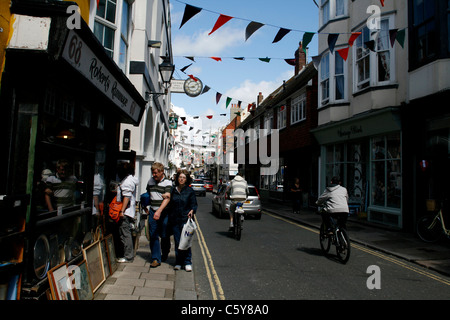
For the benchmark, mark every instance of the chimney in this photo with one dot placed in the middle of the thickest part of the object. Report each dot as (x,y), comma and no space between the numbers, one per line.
(300,59)
(259,99)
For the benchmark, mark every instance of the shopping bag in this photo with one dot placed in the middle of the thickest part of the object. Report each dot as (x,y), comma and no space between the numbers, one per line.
(187,234)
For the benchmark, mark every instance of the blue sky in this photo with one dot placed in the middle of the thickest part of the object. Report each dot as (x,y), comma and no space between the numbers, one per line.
(240,80)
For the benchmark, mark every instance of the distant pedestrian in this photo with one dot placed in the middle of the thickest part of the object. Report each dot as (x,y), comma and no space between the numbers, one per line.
(159,189)
(183,205)
(296,196)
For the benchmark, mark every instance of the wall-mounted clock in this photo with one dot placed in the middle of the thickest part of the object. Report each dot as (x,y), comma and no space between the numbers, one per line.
(193,88)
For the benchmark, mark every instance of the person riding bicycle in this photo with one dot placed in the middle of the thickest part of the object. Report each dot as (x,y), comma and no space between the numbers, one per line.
(238,193)
(334,201)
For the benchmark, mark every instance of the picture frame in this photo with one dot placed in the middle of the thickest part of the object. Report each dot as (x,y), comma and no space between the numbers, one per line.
(111,253)
(93,256)
(83,285)
(106,263)
(58,278)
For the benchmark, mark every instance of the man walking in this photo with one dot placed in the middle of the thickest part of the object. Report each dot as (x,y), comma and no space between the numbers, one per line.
(158,188)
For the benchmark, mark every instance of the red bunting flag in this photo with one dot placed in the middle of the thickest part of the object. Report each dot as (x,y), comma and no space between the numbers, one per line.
(343,53)
(192,77)
(353,38)
(216,58)
(382,3)
(209,117)
(220,22)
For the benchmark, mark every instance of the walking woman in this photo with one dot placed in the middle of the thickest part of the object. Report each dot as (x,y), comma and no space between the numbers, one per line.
(183,205)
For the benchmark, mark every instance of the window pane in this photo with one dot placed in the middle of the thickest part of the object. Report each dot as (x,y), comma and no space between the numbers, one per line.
(339,7)
(124,26)
(339,87)
(122,55)
(111,11)
(101,8)
(378,183)
(378,148)
(393,146)
(394,184)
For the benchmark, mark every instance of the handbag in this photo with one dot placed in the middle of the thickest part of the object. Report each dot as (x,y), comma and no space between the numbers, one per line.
(187,234)
(114,209)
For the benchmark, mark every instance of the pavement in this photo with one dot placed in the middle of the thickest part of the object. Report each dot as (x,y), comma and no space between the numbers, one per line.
(137,281)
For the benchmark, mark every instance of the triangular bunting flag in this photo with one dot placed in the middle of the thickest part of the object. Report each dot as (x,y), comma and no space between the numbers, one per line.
(218,96)
(209,117)
(190,58)
(223,114)
(205,89)
(191,128)
(371,45)
(196,117)
(252,28)
(216,58)
(382,3)
(189,12)
(220,22)
(353,38)
(192,77)
(185,67)
(401,37)
(280,35)
(392,36)
(184,122)
(307,37)
(239,58)
(239,103)
(265,59)
(228,102)
(343,53)
(183,118)
(332,38)
(290,61)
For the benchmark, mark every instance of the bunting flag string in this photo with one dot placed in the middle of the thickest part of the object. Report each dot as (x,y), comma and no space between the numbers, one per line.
(253,26)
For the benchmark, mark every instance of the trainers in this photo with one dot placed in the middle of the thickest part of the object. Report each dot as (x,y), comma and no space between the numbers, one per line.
(123,260)
(188,267)
(177,267)
(155,264)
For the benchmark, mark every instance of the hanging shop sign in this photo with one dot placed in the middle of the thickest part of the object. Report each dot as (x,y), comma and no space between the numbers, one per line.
(83,59)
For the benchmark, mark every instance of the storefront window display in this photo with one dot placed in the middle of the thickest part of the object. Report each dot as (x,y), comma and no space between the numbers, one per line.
(386,171)
(347,160)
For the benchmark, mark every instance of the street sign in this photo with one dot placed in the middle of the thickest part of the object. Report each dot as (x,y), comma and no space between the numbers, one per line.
(177,86)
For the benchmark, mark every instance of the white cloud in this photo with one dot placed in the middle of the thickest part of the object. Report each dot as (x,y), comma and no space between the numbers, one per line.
(202,44)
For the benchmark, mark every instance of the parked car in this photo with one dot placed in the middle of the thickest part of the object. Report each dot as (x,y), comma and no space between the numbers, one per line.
(208,185)
(221,202)
(199,187)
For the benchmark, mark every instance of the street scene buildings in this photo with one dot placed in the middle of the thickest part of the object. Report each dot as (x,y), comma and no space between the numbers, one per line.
(86,86)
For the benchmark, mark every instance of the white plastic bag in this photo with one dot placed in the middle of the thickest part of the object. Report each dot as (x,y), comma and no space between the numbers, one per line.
(187,234)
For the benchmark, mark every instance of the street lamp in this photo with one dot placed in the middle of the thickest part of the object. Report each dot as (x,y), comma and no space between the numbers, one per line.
(166,70)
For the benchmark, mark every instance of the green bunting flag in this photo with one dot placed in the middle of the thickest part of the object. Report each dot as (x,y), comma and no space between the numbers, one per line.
(307,37)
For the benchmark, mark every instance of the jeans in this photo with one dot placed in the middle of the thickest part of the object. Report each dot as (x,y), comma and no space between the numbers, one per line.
(126,237)
(158,229)
(183,257)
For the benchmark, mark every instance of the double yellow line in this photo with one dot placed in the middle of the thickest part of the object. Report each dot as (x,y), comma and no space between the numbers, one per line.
(214,282)
(377,254)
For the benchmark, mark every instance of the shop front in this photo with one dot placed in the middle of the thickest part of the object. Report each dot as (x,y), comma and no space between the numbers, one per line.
(62,101)
(366,152)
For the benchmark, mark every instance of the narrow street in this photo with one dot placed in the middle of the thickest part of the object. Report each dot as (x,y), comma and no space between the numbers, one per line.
(277,259)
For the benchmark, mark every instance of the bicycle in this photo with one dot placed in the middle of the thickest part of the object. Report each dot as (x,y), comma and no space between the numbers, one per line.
(430,227)
(338,237)
(238,219)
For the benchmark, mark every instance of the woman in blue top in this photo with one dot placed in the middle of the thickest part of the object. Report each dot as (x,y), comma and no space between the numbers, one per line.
(183,205)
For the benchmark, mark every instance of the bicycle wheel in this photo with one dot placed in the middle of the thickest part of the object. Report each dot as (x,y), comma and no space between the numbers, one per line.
(342,245)
(428,228)
(237,226)
(325,240)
